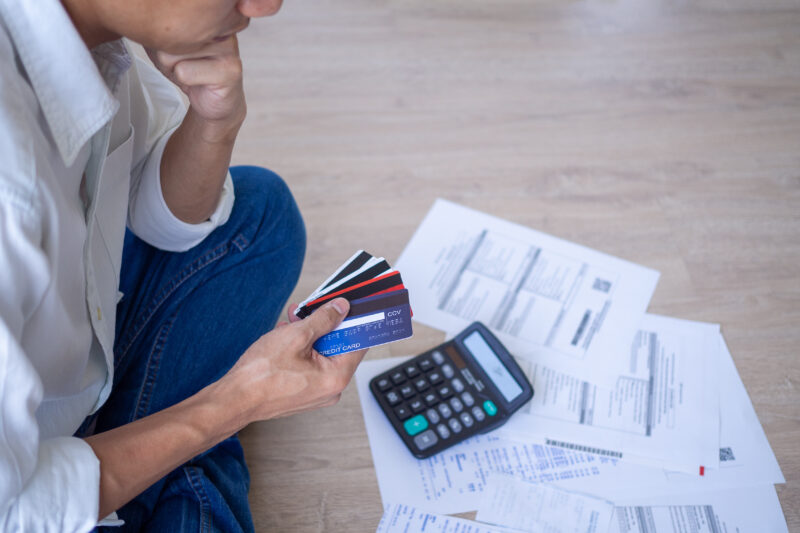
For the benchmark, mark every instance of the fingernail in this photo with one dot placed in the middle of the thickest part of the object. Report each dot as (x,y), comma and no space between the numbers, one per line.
(337,304)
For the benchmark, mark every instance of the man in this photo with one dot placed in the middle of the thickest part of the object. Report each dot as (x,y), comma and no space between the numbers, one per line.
(130,358)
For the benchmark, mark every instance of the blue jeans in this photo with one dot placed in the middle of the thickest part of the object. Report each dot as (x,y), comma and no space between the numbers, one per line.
(184,321)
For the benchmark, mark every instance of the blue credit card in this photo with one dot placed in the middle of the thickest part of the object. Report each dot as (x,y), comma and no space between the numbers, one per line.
(372,321)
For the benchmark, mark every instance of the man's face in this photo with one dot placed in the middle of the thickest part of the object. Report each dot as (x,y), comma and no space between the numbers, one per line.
(181,26)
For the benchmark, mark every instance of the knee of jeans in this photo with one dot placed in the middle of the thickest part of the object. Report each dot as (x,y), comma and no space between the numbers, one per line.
(268,200)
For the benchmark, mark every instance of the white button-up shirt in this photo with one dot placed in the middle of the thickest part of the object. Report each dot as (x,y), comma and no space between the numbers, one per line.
(81,139)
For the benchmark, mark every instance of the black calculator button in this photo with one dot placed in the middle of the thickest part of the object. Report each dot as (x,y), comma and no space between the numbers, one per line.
(425,365)
(457,384)
(448,371)
(417,405)
(431,398)
(478,413)
(411,370)
(445,410)
(455,425)
(466,419)
(467,398)
(421,384)
(407,391)
(442,430)
(384,384)
(433,416)
(438,358)
(393,398)
(398,377)
(435,377)
(456,404)
(402,412)
(425,440)
(445,392)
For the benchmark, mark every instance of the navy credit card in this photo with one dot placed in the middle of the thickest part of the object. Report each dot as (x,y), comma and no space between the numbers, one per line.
(372,321)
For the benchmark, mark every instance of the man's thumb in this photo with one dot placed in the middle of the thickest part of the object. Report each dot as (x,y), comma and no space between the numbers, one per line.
(327,317)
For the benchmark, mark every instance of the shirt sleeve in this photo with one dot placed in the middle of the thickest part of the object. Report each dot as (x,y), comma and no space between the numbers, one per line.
(156,112)
(45,484)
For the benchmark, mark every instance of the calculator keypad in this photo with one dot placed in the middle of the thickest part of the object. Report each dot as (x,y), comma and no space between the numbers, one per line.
(431,403)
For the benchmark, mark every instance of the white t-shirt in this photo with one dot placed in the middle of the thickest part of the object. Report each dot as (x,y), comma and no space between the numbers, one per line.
(81,139)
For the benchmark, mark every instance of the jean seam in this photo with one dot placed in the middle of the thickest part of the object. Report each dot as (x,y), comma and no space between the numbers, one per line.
(197,487)
(151,372)
(170,287)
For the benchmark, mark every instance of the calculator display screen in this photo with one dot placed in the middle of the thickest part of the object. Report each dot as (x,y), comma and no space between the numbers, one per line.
(492,365)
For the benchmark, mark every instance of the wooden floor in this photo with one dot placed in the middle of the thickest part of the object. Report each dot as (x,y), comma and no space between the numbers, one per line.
(663,132)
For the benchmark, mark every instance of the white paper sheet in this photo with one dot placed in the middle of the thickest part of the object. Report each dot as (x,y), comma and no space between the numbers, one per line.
(733,510)
(454,480)
(541,508)
(403,518)
(570,307)
(664,410)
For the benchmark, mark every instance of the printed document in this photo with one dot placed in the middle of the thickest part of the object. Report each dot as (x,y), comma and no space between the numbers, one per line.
(403,518)
(454,481)
(541,508)
(742,510)
(664,410)
(566,306)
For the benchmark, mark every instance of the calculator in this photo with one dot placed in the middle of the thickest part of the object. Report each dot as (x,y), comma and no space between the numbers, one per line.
(468,385)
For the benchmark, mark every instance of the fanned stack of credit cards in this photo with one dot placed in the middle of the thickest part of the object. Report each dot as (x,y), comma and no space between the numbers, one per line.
(379,308)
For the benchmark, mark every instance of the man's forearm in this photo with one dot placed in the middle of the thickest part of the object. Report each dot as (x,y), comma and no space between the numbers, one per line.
(136,455)
(194,166)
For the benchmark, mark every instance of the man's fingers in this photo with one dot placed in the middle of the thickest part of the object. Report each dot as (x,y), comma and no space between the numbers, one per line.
(207,71)
(212,49)
(326,318)
(292,317)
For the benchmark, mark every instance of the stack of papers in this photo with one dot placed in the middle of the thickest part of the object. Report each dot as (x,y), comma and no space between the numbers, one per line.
(638,422)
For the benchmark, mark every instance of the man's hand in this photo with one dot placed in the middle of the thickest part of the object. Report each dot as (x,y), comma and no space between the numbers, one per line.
(281,374)
(196,159)
(211,78)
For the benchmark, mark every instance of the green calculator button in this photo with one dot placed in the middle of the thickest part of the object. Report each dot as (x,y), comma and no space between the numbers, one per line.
(490,408)
(415,424)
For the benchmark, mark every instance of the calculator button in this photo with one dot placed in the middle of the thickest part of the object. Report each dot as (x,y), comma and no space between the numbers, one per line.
(455,425)
(402,412)
(411,370)
(457,384)
(431,398)
(477,412)
(425,440)
(448,371)
(469,401)
(490,408)
(415,425)
(457,405)
(425,365)
(407,391)
(445,392)
(442,430)
(466,419)
(392,397)
(438,358)
(398,377)
(445,410)
(384,384)
(421,384)
(433,416)
(435,377)
(417,405)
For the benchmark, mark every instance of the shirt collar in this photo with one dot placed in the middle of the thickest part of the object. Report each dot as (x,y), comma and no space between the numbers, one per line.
(74,87)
